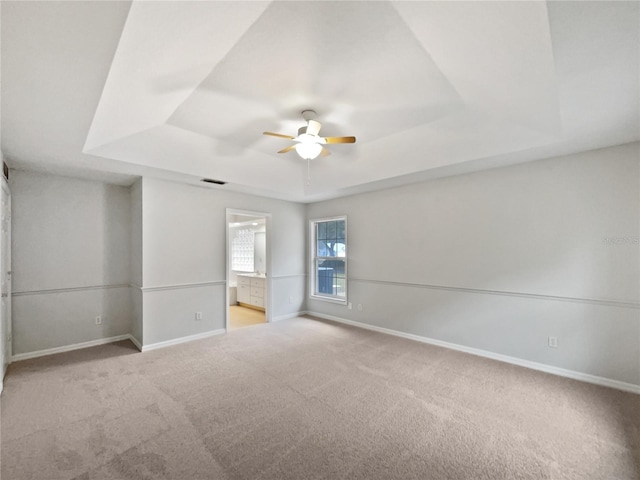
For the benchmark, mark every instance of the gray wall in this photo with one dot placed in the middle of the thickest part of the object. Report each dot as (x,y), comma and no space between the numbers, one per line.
(70,246)
(184,257)
(501,259)
(145,258)
(496,260)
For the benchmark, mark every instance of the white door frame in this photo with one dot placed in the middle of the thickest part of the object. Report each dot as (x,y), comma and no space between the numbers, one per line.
(6,271)
(268,297)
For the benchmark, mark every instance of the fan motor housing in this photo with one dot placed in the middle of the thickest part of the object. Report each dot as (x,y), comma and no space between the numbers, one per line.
(309,115)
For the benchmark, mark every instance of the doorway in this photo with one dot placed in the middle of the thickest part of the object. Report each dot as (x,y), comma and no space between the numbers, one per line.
(248,269)
(5,280)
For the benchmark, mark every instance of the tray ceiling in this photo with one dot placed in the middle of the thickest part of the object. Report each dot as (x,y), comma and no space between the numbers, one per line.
(184,90)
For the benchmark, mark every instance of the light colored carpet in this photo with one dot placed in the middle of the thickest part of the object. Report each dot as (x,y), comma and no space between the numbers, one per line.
(307,399)
(240,317)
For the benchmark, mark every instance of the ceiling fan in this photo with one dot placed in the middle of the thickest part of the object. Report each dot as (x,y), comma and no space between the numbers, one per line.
(308,144)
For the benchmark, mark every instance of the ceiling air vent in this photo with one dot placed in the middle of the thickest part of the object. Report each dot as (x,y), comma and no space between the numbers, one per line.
(211,180)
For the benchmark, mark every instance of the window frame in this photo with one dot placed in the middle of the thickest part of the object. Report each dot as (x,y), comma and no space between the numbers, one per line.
(314,259)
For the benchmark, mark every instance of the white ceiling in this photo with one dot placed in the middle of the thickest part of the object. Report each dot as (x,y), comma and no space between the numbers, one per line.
(183,90)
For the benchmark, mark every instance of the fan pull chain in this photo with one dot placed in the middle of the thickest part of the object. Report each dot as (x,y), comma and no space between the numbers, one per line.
(308,172)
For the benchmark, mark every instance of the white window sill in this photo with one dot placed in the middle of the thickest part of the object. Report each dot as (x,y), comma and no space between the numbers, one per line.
(322,298)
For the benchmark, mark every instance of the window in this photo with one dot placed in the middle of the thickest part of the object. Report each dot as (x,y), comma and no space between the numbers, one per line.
(329,259)
(242,249)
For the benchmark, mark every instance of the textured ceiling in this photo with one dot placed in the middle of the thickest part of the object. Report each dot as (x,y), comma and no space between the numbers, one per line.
(183,90)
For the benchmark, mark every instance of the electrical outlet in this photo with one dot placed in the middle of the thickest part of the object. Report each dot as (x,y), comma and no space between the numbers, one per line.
(350,306)
(359,307)
(98,320)
(198,315)
(553,342)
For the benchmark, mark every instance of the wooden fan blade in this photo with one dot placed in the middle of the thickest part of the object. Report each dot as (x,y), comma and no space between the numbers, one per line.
(313,127)
(340,139)
(288,149)
(325,152)
(288,137)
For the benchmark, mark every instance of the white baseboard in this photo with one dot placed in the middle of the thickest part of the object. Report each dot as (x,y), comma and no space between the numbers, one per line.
(135,341)
(562,372)
(288,316)
(176,341)
(68,348)
(103,341)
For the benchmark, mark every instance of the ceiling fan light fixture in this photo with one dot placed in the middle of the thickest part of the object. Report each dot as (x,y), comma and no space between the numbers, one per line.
(309,144)
(308,150)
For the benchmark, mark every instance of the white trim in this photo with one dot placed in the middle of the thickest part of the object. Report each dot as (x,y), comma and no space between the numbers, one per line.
(177,341)
(289,315)
(313,257)
(7,345)
(268,300)
(594,301)
(562,372)
(69,289)
(328,299)
(292,275)
(135,341)
(68,348)
(183,285)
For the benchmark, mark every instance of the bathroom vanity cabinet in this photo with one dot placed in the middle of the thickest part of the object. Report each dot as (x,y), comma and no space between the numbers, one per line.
(252,291)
